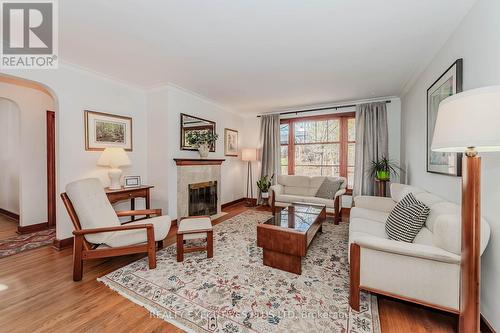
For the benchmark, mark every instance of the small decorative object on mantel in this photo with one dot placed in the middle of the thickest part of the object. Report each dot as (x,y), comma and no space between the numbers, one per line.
(264,184)
(104,130)
(202,140)
(131,181)
(230,142)
(449,83)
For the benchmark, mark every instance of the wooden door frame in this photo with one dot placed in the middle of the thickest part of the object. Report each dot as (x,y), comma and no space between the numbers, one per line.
(51,168)
(50,119)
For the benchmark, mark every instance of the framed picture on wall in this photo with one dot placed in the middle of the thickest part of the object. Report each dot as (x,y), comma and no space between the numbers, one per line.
(230,142)
(104,130)
(449,83)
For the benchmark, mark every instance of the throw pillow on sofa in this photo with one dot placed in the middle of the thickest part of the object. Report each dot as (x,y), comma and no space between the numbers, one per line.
(406,219)
(328,188)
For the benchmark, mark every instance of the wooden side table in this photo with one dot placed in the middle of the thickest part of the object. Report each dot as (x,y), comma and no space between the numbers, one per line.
(130,193)
(381,187)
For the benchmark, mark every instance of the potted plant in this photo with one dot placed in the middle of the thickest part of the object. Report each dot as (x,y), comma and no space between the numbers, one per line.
(383,168)
(264,184)
(202,140)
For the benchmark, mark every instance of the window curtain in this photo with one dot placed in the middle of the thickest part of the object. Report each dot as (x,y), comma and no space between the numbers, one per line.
(372,143)
(270,143)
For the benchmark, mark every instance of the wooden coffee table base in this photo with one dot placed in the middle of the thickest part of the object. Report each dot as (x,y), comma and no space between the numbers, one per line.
(283,261)
(284,247)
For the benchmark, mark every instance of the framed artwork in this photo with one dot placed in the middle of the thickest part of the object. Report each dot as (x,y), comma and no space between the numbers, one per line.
(194,124)
(230,142)
(104,130)
(132,181)
(449,83)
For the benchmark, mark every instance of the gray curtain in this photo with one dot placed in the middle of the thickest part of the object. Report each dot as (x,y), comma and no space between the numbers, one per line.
(372,143)
(270,143)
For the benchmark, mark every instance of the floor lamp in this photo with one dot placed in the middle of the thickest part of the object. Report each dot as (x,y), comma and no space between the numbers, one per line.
(249,155)
(468,123)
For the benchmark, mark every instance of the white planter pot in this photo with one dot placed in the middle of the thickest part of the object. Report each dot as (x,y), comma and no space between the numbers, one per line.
(265,195)
(203,150)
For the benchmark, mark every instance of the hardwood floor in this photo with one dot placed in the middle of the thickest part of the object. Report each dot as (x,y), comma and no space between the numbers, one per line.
(8,227)
(38,294)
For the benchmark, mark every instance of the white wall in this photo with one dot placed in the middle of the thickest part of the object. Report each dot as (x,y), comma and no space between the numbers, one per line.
(251,139)
(164,108)
(477,41)
(9,158)
(76,90)
(159,161)
(33,104)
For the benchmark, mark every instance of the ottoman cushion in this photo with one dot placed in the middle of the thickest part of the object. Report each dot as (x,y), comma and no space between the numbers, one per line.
(190,226)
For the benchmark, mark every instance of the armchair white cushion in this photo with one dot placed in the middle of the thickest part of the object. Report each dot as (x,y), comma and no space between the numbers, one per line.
(427,270)
(95,211)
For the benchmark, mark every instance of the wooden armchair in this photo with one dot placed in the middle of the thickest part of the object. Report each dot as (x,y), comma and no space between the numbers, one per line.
(98,232)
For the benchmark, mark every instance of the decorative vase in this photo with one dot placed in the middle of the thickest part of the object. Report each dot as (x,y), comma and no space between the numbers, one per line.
(265,195)
(383,175)
(203,149)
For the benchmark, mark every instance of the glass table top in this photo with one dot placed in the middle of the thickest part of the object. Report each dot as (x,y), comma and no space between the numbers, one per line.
(297,216)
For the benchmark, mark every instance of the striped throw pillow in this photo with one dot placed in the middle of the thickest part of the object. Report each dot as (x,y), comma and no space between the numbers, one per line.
(406,219)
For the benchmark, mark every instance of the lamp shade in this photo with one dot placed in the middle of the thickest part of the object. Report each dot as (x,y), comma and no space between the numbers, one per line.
(469,120)
(114,158)
(249,154)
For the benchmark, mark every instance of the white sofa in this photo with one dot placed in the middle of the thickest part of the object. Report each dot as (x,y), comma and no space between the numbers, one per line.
(291,189)
(426,271)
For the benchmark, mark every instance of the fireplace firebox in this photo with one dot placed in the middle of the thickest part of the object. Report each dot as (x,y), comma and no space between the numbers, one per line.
(203,198)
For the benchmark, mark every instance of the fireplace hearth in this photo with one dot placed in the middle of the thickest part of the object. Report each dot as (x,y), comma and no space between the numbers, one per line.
(202,198)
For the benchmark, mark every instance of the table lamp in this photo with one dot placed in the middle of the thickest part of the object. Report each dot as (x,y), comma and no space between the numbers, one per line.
(249,155)
(468,123)
(114,158)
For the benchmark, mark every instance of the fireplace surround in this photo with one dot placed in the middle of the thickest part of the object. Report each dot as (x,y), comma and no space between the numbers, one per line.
(193,172)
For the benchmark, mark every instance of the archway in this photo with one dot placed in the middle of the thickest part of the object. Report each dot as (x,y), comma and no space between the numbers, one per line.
(36,151)
(9,167)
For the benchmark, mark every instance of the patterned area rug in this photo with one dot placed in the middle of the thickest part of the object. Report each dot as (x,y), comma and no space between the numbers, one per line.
(234,292)
(17,244)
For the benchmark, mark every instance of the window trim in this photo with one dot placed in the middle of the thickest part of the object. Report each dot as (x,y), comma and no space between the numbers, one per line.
(344,139)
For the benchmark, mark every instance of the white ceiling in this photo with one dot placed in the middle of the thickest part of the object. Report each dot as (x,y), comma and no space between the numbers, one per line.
(261,55)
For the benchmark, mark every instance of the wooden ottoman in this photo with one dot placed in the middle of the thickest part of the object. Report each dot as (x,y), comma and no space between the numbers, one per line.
(195,227)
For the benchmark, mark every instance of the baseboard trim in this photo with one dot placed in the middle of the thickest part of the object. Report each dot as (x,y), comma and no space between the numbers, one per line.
(486,326)
(234,202)
(252,201)
(9,214)
(32,228)
(61,244)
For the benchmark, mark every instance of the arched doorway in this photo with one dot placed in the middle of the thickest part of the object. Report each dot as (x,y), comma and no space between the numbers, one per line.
(36,151)
(9,167)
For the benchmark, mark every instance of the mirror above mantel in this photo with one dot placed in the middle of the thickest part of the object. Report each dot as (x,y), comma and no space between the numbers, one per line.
(194,124)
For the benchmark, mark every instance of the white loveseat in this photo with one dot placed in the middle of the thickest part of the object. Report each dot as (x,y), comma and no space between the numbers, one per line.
(291,189)
(426,271)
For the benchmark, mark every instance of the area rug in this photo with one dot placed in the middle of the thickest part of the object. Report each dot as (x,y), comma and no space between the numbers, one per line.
(234,292)
(21,243)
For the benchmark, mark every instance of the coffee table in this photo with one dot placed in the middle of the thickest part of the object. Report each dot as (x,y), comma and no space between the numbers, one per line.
(286,236)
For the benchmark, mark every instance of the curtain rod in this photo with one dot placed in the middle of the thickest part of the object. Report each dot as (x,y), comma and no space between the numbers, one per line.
(319,109)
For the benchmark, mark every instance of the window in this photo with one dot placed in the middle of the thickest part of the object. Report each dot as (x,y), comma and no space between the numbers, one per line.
(319,146)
